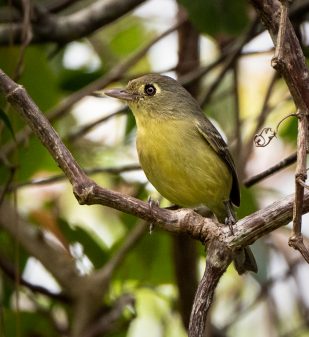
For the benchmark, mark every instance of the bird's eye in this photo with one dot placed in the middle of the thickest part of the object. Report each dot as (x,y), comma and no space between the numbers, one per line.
(150,89)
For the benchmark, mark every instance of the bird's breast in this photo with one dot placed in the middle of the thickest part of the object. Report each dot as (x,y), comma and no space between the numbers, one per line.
(181,164)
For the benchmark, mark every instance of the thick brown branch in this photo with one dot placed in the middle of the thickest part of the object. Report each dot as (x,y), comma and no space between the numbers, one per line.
(293,66)
(66,28)
(290,62)
(301,172)
(296,240)
(218,259)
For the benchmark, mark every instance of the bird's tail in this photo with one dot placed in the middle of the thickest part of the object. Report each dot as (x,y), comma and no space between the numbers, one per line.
(244,261)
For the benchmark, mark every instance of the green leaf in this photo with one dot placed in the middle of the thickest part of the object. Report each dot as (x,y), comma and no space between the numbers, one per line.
(5,119)
(217,17)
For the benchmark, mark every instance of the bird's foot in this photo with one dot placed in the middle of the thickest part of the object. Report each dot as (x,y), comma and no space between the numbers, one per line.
(152,204)
(230,220)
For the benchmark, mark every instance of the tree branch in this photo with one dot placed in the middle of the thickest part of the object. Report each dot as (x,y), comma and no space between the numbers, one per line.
(293,66)
(291,159)
(66,28)
(218,259)
(183,221)
(290,62)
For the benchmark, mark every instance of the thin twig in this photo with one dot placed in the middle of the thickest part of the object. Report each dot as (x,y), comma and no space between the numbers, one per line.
(88,127)
(72,26)
(7,185)
(26,36)
(261,118)
(105,324)
(237,123)
(265,288)
(291,159)
(60,177)
(10,272)
(204,99)
(105,273)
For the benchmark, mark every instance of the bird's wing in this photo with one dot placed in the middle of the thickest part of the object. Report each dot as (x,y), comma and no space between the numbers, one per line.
(213,137)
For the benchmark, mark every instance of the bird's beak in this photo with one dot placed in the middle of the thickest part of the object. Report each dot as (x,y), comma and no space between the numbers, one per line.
(121,94)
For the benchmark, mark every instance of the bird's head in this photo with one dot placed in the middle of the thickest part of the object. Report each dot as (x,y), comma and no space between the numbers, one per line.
(157,96)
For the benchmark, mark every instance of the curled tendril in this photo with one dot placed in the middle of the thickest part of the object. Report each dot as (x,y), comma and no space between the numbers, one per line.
(263,138)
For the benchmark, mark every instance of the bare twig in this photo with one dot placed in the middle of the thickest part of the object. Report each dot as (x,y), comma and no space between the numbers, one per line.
(261,118)
(101,280)
(66,28)
(133,237)
(291,159)
(26,36)
(60,264)
(88,127)
(296,240)
(7,185)
(204,99)
(106,323)
(237,123)
(279,53)
(293,66)
(60,177)
(10,272)
(58,5)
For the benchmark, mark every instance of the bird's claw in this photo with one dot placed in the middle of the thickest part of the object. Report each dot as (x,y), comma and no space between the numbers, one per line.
(230,220)
(152,204)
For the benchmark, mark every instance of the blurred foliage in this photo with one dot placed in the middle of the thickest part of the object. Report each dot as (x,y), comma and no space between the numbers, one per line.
(217,17)
(94,235)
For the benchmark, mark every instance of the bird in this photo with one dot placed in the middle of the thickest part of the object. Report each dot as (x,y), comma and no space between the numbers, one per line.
(181,152)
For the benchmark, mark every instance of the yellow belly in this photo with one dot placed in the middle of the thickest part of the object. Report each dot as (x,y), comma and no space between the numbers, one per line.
(182,166)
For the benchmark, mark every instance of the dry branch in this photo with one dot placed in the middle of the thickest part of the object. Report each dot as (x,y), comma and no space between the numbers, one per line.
(65,28)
